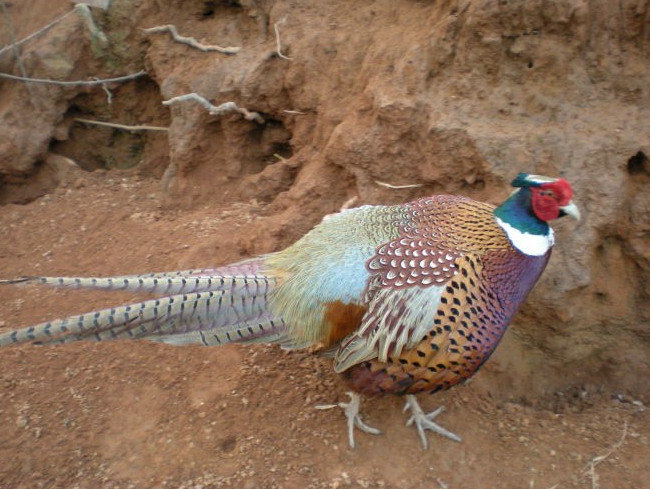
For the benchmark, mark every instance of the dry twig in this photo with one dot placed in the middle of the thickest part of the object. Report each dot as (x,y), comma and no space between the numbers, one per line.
(279,157)
(278,48)
(217,110)
(77,82)
(398,187)
(190,41)
(349,203)
(122,126)
(590,468)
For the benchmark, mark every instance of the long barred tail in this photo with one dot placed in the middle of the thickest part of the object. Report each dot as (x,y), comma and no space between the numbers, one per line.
(164,283)
(209,307)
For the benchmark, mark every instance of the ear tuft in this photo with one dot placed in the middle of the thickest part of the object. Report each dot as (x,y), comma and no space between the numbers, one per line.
(520,181)
(527,180)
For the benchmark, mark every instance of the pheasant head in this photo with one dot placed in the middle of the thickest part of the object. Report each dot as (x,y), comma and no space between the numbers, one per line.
(525,215)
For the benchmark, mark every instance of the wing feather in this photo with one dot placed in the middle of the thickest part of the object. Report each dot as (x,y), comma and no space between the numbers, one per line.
(396,319)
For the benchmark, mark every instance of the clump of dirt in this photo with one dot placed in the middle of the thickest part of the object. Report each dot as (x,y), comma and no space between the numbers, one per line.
(448,96)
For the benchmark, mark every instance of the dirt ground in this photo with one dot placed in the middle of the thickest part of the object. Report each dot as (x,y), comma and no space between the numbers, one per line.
(141,415)
(453,96)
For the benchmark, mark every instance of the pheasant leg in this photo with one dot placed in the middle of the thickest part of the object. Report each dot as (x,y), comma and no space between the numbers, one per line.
(351,410)
(424,421)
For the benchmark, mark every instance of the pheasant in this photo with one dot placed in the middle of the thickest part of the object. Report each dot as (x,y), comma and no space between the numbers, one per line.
(405,298)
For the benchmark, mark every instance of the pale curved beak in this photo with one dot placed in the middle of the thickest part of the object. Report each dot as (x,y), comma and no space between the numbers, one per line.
(571,210)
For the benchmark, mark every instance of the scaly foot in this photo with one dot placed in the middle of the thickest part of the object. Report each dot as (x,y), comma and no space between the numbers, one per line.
(424,421)
(351,410)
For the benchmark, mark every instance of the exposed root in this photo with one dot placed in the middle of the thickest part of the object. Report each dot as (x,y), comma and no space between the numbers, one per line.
(34,34)
(118,79)
(122,126)
(278,48)
(398,187)
(190,41)
(222,109)
(10,29)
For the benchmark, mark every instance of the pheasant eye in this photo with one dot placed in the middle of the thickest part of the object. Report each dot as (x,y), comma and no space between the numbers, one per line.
(547,193)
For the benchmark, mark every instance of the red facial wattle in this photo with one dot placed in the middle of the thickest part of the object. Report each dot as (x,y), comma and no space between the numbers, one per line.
(549,197)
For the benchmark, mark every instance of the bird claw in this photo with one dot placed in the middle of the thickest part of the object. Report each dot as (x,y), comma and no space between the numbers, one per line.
(424,421)
(351,410)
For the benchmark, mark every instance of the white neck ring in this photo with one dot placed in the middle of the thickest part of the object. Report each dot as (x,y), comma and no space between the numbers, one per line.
(527,243)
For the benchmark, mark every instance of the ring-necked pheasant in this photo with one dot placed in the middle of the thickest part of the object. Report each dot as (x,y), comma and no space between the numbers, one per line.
(408,298)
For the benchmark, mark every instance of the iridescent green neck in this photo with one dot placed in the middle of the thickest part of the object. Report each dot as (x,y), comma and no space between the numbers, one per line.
(517,211)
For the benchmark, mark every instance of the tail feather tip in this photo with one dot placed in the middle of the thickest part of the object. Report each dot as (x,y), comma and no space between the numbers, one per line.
(17,280)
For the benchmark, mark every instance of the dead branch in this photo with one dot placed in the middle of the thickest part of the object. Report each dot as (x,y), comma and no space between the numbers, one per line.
(398,187)
(190,41)
(278,48)
(217,110)
(121,126)
(74,83)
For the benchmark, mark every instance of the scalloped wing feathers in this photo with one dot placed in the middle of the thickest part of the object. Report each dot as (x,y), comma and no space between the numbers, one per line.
(393,260)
